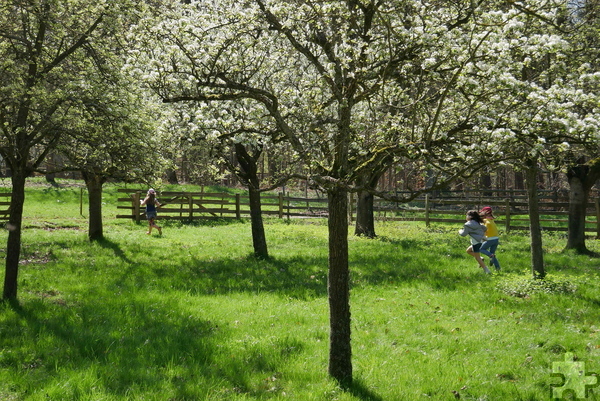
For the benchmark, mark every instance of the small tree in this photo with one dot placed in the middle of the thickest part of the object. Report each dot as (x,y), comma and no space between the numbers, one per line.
(113,136)
(237,140)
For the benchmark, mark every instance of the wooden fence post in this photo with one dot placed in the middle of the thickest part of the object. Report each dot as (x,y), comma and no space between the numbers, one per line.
(427,210)
(190,206)
(136,207)
(281,205)
(238,214)
(507,222)
(201,200)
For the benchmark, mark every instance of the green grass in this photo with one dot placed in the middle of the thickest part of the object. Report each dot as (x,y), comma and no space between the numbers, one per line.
(192,315)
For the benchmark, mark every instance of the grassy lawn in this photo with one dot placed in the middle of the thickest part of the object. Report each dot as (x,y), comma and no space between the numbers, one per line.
(192,316)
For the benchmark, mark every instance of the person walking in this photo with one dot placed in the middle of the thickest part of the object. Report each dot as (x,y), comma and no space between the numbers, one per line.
(475,229)
(151,204)
(492,240)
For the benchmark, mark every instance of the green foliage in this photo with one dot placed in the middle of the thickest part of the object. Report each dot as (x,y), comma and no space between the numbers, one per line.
(192,315)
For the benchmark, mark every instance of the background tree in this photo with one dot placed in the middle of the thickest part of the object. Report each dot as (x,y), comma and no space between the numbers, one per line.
(113,135)
(44,46)
(582,28)
(237,139)
(191,160)
(367,184)
(582,176)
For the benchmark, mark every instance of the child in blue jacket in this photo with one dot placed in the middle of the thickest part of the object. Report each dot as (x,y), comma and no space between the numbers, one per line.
(475,229)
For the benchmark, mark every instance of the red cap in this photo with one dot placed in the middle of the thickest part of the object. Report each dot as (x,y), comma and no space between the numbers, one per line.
(486,210)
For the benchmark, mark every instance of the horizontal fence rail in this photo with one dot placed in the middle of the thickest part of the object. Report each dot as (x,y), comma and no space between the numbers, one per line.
(5,198)
(510,207)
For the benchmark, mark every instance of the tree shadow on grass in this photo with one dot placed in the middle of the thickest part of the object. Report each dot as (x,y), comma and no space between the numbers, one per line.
(130,342)
(385,261)
(359,390)
(214,221)
(405,243)
(405,261)
(114,247)
(403,271)
(127,343)
(299,276)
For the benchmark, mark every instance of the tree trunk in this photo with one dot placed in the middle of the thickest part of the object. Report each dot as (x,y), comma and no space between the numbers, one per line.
(259,240)
(249,176)
(340,352)
(519,180)
(578,198)
(537,252)
(94,184)
(51,179)
(13,246)
(486,183)
(172,177)
(365,220)
(582,177)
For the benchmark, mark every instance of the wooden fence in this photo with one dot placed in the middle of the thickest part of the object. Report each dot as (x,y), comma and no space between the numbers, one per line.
(510,207)
(511,213)
(204,205)
(5,198)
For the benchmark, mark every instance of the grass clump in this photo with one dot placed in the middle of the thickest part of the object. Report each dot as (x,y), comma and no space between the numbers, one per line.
(522,287)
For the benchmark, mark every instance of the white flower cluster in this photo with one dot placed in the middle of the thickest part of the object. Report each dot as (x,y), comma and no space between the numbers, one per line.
(475,81)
